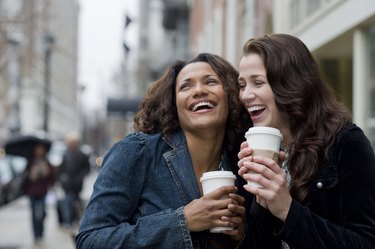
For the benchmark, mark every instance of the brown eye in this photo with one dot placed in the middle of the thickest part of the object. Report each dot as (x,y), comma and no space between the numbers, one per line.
(242,85)
(184,86)
(258,83)
(211,82)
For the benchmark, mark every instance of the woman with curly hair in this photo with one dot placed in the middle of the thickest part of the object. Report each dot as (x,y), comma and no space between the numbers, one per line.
(323,196)
(148,192)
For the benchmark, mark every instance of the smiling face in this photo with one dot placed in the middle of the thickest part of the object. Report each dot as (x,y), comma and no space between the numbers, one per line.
(200,98)
(256,93)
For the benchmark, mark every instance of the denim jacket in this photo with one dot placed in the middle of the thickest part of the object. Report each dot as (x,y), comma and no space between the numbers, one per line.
(339,211)
(139,196)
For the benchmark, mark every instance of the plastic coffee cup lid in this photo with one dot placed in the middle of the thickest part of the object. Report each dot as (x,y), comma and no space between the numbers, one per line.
(263,130)
(217,174)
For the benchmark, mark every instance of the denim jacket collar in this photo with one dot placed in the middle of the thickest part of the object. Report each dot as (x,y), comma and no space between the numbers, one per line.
(177,160)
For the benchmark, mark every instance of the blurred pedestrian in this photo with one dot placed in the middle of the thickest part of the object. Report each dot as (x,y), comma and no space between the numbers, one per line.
(40,176)
(72,171)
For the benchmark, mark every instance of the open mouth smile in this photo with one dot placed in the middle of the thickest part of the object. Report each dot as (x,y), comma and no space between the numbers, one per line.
(202,105)
(256,110)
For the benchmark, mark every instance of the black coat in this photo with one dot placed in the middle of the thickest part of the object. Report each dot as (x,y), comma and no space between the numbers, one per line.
(72,171)
(339,212)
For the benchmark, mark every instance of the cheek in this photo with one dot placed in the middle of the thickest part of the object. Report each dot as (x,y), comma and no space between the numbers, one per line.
(179,100)
(179,108)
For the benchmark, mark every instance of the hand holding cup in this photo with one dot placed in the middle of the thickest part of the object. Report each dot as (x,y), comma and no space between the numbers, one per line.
(213,180)
(264,141)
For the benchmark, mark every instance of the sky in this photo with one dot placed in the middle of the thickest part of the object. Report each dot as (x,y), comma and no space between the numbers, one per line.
(101,27)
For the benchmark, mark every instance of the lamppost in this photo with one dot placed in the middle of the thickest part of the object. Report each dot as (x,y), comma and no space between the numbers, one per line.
(13,94)
(81,125)
(49,40)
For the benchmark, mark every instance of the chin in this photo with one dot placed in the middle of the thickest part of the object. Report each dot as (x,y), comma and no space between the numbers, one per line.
(262,124)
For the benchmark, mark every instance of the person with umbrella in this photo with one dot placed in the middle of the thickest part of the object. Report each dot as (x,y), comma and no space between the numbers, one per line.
(39,175)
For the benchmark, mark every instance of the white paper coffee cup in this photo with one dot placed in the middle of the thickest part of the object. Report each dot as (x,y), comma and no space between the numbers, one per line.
(264,141)
(213,180)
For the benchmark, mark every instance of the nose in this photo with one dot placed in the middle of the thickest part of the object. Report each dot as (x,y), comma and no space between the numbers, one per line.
(247,94)
(199,89)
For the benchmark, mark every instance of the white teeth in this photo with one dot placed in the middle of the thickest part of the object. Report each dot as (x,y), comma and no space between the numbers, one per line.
(195,107)
(256,108)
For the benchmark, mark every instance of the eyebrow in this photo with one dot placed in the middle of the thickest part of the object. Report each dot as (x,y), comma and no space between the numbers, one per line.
(206,76)
(253,76)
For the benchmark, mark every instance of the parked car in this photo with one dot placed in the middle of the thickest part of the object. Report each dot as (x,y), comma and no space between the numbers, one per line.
(11,169)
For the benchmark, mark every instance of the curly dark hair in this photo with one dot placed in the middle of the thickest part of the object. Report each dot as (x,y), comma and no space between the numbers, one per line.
(158,112)
(306,99)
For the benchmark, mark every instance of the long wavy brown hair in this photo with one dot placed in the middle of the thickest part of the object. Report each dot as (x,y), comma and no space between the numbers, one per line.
(158,111)
(306,99)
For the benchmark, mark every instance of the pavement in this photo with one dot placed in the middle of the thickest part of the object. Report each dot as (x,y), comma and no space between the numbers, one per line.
(16,229)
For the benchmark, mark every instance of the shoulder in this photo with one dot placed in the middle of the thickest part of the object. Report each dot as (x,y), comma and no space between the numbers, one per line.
(351,135)
(139,138)
(135,148)
(136,143)
(352,147)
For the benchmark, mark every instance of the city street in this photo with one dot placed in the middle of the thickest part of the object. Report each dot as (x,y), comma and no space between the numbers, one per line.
(15,223)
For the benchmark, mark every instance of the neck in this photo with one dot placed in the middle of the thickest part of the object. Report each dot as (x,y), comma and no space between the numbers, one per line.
(205,151)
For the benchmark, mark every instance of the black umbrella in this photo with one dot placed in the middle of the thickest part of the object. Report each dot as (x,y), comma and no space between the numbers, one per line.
(24,145)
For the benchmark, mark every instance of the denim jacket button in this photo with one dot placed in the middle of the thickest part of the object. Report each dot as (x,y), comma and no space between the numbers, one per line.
(319,185)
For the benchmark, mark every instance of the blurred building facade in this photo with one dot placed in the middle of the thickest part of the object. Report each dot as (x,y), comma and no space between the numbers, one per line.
(38,66)
(223,26)
(163,36)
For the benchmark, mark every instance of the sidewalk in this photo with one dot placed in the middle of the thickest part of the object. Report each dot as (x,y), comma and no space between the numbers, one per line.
(15,223)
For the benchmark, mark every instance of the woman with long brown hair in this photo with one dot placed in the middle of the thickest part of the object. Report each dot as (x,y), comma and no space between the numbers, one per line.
(323,195)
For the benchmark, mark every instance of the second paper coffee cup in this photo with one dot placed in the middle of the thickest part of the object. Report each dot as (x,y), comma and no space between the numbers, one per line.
(215,179)
(264,141)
